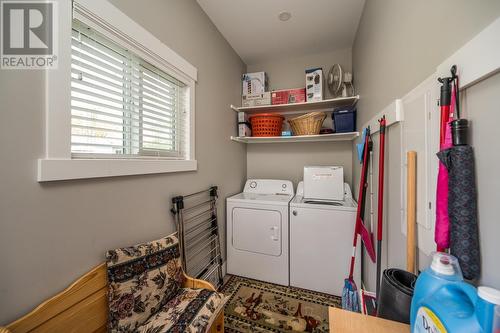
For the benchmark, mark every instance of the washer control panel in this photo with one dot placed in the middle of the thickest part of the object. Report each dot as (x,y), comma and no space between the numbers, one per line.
(269,186)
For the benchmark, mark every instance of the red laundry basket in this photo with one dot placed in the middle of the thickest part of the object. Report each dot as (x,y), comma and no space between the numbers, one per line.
(266,124)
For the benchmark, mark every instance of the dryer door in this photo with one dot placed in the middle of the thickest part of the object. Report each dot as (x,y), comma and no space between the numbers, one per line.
(257,230)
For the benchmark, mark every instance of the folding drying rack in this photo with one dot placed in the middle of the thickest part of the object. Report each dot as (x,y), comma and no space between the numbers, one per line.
(198,231)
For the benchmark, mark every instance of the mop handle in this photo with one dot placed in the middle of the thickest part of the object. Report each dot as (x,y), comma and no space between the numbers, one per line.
(380,212)
(411,210)
(360,205)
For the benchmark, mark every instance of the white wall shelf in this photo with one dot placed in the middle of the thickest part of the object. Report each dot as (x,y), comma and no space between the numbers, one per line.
(302,138)
(325,105)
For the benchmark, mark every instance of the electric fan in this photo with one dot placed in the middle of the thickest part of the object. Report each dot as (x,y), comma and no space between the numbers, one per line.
(340,82)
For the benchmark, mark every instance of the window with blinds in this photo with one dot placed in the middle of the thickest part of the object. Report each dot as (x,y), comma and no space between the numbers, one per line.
(122,106)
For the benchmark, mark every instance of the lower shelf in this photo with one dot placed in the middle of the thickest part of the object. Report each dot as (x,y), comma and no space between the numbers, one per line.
(302,138)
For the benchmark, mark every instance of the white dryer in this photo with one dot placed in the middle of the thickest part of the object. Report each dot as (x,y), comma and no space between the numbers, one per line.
(321,242)
(257,231)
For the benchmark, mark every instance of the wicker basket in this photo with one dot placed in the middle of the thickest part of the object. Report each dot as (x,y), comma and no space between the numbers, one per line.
(307,124)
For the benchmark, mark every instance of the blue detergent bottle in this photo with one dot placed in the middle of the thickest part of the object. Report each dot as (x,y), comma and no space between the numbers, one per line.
(443,302)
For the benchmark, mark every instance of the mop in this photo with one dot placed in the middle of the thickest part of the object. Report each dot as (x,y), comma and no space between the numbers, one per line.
(350,296)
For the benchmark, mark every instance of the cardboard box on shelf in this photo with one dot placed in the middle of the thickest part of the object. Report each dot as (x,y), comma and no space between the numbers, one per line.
(288,96)
(244,129)
(242,117)
(256,99)
(254,83)
(314,84)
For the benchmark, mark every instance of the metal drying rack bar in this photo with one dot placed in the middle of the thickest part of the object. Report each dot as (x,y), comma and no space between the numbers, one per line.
(199,237)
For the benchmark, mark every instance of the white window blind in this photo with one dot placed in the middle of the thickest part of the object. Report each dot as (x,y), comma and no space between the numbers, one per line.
(122,106)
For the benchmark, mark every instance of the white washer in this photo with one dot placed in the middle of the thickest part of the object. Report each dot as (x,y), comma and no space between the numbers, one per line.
(321,242)
(257,231)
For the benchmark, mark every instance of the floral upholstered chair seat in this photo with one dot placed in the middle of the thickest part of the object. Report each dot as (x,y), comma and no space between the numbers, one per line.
(191,310)
(146,291)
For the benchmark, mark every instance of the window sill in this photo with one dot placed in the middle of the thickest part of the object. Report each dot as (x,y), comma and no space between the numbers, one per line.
(66,169)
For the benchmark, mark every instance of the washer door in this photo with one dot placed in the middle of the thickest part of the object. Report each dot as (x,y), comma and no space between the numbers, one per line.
(257,230)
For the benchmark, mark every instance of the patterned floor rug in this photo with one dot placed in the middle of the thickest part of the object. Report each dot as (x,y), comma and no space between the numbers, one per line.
(256,306)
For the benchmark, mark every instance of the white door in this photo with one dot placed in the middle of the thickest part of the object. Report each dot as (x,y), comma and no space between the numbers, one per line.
(257,230)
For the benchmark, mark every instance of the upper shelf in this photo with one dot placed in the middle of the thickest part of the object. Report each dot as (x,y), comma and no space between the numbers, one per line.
(324,105)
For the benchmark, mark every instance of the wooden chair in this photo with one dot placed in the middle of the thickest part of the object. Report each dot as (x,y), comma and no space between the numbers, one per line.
(83,308)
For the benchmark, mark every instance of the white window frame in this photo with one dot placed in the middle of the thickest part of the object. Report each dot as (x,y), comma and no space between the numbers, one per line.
(105,18)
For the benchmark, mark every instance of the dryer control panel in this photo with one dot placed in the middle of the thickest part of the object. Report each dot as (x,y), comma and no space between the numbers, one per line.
(269,186)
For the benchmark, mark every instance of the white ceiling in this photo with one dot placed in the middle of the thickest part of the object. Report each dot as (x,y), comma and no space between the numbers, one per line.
(254,31)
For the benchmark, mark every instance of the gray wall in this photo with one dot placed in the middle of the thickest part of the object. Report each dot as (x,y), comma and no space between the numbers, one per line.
(54,232)
(398,45)
(286,161)
(288,72)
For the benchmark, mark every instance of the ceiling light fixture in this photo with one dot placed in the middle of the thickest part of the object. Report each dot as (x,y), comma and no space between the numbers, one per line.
(284,16)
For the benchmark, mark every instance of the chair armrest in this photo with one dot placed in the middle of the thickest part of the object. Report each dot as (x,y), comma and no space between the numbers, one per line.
(4,330)
(190,282)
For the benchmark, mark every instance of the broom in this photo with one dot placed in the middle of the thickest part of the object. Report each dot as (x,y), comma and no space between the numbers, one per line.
(350,297)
